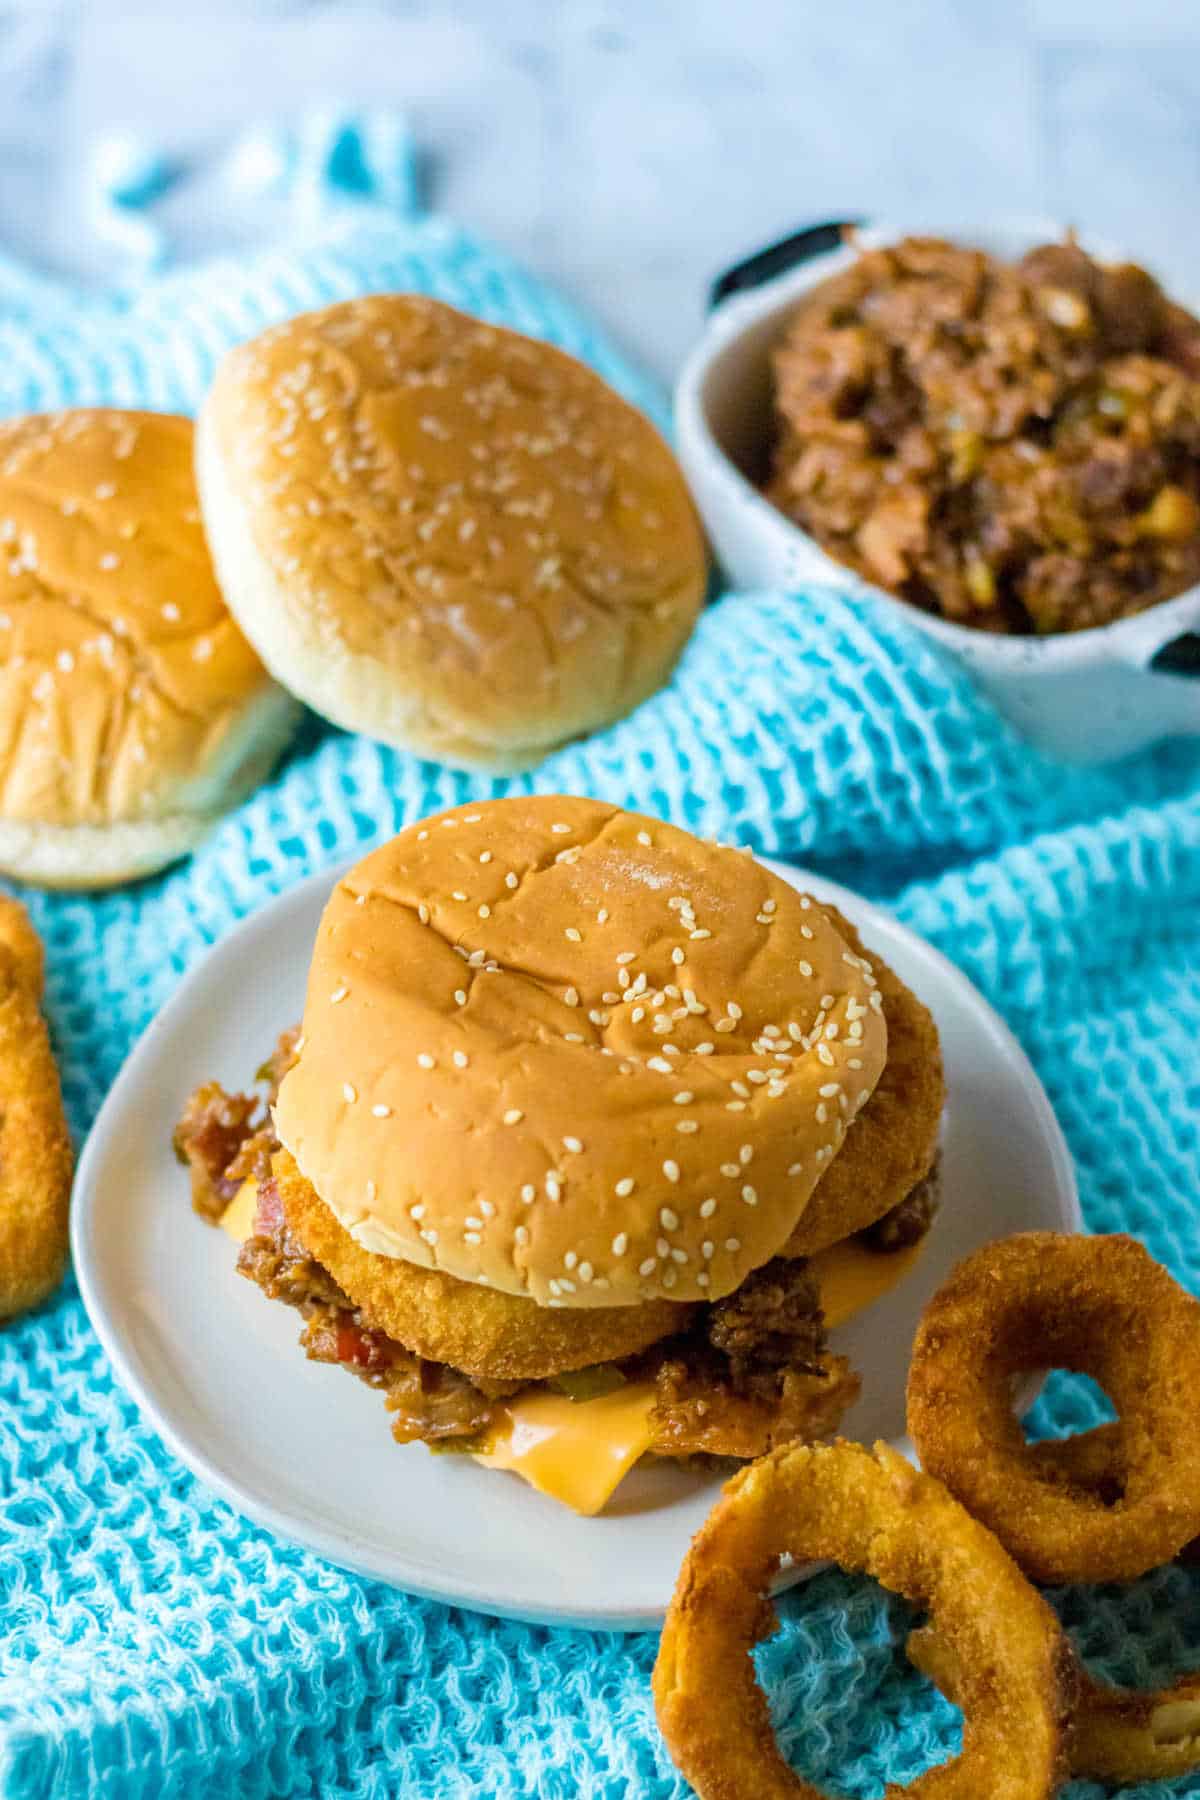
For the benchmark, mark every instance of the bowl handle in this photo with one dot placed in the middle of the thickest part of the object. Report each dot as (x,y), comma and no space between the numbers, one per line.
(778,258)
(1168,646)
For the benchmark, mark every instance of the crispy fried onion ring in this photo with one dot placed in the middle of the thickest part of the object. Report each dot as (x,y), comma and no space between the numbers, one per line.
(35,1149)
(890,1147)
(870,1512)
(1119,1735)
(1099,1305)
(494,1336)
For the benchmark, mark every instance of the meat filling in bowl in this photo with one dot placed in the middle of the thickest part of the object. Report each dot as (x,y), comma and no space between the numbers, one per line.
(745,1373)
(1013,446)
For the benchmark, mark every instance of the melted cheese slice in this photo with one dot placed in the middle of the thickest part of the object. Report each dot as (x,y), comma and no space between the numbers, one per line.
(578,1451)
(851,1277)
(238,1217)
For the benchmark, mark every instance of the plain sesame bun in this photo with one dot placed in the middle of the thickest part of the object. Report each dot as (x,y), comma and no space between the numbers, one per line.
(575,1054)
(132,710)
(443,534)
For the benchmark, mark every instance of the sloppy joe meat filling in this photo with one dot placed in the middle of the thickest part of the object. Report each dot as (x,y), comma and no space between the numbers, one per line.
(752,1370)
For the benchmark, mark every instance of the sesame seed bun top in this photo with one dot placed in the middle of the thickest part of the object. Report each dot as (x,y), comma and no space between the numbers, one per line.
(575,1054)
(132,708)
(444,534)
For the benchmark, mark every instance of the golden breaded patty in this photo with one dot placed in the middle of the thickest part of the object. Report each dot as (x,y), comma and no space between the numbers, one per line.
(891,1145)
(480,1330)
(35,1149)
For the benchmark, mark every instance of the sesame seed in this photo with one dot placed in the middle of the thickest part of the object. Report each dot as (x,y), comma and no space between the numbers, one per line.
(430,1237)
(521,1235)
(662,1247)
(684,1096)
(338,995)
(746,1153)
(671,1170)
(572,996)
(829,1089)
(768,906)
(513,1116)
(585,1271)
(511,880)
(677,956)
(472,1237)
(349,1092)
(485,856)
(553,1188)
(702,1278)
(705,1049)
(707,1208)
(381,1111)
(460,996)
(529,1193)
(572,1144)
(458,894)
(610,999)
(624,1186)
(559,829)
(825,1054)
(423,913)
(570,1259)
(572,1037)
(659,1064)
(749,1196)
(806,931)
(733,1245)
(740,1089)
(602,916)
(668,1279)
(831,1030)
(854,1062)
(687,1125)
(730,1171)
(460,1059)
(806,969)
(725,1025)
(417,1213)
(701,932)
(822,1114)
(678,1255)
(668,1220)
(575,936)
(735,1106)
(485,912)
(648,1267)
(757,1076)
(638,1014)
(620,1243)
(627,956)
(643,837)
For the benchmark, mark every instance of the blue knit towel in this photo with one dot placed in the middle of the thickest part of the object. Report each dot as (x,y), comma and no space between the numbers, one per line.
(154,1645)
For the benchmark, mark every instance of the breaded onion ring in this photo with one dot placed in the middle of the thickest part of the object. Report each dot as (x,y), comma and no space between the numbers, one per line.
(891,1146)
(870,1512)
(35,1149)
(483,1332)
(1098,1305)
(1119,1735)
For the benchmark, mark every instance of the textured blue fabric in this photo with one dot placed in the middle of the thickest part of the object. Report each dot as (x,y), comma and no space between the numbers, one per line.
(154,1645)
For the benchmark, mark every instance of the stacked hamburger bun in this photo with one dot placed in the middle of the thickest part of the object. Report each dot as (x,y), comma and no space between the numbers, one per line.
(133,711)
(431,530)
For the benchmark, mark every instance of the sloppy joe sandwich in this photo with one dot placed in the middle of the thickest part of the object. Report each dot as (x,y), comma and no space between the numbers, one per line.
(133,711)
(443,534)
(590,1132)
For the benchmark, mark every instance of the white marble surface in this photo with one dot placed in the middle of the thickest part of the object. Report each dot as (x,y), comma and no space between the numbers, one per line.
(631,148)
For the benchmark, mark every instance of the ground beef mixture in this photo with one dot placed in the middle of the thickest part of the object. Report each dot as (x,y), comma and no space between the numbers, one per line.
(751,1371)
(1015,447)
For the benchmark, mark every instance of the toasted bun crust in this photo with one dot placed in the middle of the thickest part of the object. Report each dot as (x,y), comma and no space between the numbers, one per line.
(132,710)
(476,1094)
(443,534)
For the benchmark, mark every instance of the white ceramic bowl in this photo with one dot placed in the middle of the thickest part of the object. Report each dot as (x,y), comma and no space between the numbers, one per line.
(1086,696)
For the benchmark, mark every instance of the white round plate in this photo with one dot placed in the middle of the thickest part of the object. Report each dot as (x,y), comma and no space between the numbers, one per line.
(217,1370)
